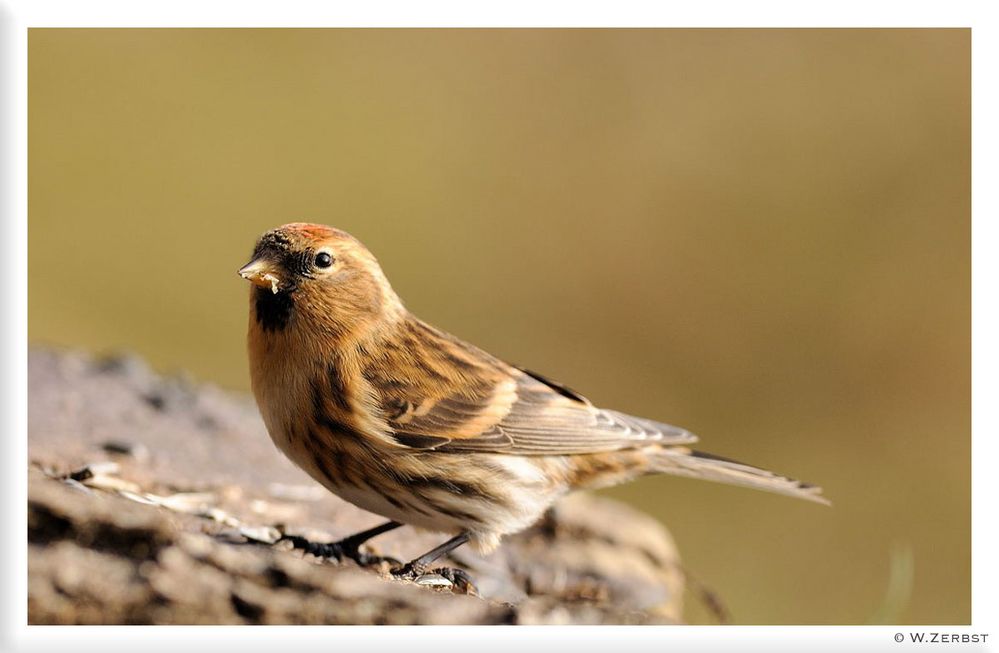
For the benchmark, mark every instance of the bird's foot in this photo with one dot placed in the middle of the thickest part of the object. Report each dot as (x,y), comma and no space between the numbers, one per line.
(418,573)
(345,549)
(459,579)
(410,570)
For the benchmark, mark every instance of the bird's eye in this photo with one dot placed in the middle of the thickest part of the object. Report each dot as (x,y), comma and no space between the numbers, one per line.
(323,260)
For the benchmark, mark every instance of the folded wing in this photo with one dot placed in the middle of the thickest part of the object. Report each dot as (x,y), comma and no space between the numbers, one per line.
(526,414)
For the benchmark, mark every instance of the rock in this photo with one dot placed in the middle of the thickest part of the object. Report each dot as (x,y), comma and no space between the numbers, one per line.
(157,500)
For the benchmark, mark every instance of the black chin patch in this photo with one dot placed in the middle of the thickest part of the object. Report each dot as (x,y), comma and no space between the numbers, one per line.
(273,309)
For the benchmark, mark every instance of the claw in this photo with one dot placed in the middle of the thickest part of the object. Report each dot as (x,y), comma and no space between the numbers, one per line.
(339,551)
(319,549)
(409,571)
(415,570)
(459,579)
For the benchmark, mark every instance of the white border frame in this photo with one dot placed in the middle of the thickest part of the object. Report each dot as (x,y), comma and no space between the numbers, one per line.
(16,17)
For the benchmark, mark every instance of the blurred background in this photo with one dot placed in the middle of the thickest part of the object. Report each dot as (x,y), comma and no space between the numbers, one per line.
(761,235)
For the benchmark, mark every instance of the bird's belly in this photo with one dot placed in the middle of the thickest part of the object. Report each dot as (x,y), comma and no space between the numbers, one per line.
(426,501)
(401,502)
(426,490)
(351,476)
(407,513)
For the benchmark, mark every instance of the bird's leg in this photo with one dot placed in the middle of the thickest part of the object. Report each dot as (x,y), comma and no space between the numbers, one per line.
(419,566)
(348,547)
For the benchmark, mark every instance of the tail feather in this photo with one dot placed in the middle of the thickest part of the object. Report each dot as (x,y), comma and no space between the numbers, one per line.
(681,461)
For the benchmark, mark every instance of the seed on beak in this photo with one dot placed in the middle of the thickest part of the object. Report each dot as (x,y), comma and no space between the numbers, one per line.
(260,273)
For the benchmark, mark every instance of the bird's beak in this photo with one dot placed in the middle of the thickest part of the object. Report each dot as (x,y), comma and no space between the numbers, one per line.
(261,272)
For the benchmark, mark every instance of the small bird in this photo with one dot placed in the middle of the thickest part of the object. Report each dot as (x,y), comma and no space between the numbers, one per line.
(414,424)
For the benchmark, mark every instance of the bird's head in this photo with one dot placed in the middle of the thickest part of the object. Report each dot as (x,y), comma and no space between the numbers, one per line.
(319,278)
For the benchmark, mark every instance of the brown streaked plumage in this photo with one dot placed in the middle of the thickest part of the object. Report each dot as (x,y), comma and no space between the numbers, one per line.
(409,422)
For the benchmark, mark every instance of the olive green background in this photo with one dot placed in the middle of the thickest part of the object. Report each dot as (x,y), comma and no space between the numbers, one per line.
(761,235)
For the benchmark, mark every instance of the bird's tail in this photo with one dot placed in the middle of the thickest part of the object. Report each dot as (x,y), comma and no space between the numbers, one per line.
(682,461)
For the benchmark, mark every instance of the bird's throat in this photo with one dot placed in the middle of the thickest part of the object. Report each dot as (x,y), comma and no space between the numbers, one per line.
(273,310)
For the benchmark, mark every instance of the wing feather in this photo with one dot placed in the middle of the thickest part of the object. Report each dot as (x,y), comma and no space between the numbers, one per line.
(437,392)
(539,420)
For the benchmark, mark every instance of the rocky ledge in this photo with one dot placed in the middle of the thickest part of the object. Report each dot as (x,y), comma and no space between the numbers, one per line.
(153,499)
